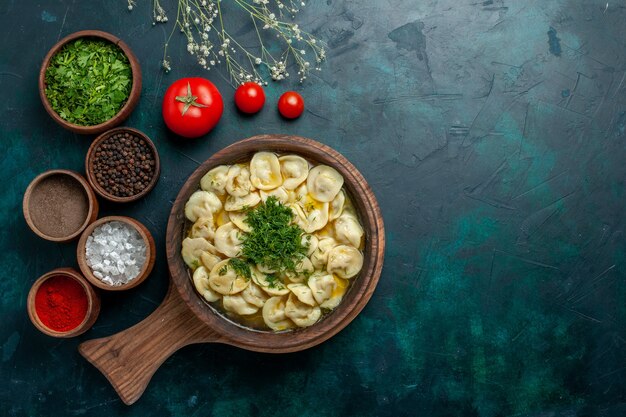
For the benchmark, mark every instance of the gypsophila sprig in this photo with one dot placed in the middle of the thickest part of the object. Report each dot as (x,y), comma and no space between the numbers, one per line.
(204,25)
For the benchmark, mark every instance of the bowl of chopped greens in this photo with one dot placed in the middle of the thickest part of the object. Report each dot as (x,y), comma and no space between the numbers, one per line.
(90,81)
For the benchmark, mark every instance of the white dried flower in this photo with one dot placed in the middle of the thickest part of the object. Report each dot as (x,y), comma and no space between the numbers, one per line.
(195,20)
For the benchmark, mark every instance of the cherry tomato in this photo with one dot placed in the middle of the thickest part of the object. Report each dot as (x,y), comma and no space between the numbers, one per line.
(192,107)
(249,97)
(291,105)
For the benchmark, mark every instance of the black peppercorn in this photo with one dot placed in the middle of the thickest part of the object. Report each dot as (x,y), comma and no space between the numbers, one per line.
(123,159)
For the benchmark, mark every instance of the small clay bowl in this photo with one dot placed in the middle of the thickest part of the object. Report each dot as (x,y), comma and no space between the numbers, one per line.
(91,175)
(59,204)
(124,112)
(147,266)
(93,304)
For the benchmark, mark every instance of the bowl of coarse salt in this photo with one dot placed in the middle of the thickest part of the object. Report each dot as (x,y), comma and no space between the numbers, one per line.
(116,253)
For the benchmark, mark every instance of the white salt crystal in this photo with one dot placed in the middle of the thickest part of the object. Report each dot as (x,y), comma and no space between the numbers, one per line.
(115,253)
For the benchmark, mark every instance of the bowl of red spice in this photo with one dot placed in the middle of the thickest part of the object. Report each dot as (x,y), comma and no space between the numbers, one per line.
(122,165)
(61,303)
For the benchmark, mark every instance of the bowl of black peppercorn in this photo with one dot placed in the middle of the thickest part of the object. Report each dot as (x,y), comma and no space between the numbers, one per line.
(122,165)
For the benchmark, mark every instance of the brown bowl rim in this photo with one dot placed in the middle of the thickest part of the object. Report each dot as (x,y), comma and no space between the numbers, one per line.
(93,304)
(356,299)
(92,214)
(147,267)
(133,97)
(89,165)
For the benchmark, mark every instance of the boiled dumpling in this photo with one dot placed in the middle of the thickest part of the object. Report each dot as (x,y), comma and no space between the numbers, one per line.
(238,182)
(228,240)
(336,206)
(224,280)
(238,305)
(280,193)
(215,180)
(254,295)
(310,242)
(239,203)
(344,261)
(295,169)
(348,230)
(192,250)
(271,286)
(274,314)
(265,171)
(322,286)
(339,290)
(324,183)
(239,218)
(203,227)
(202,204)
(348,208)
(221,218)
(201,282)
(304,268)
(301,314)
(303,292)
(326,231)
(310,216)
(320,256)
(301,193)
(209,260)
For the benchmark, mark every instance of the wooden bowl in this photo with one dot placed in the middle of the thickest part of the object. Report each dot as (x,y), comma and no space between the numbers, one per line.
(147,267)
(124,112)
(362,287)
(91,176)
(93,304)
(130,358)
(75,202)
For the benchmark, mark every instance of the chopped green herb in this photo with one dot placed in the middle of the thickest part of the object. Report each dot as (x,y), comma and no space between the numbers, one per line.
(275,281)
(88,81)
(241,268)
(223,270)
(274,241)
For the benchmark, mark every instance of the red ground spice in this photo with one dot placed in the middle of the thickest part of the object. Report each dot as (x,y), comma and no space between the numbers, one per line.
(61,303)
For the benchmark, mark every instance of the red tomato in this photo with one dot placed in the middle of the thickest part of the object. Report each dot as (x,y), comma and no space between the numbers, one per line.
(249,97)
(291,105)
(192,107)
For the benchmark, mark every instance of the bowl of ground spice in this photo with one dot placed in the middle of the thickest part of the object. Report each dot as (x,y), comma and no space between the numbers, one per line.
(122,165)
(116,253)
(61,303)
(59,204)
(90,81)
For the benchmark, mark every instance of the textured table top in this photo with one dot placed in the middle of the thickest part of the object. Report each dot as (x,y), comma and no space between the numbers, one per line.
(493,134)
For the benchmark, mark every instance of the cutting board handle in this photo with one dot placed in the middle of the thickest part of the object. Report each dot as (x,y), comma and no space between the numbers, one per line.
(129,359)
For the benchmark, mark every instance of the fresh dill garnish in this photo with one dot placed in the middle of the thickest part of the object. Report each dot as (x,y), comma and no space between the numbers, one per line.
(241,268)
(223,270)
(275,281)
(274,241)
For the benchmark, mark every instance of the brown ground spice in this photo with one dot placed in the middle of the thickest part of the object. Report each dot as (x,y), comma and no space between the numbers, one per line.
(58,205)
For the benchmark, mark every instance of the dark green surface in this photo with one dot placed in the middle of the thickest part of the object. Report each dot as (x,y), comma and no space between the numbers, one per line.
(493,134)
